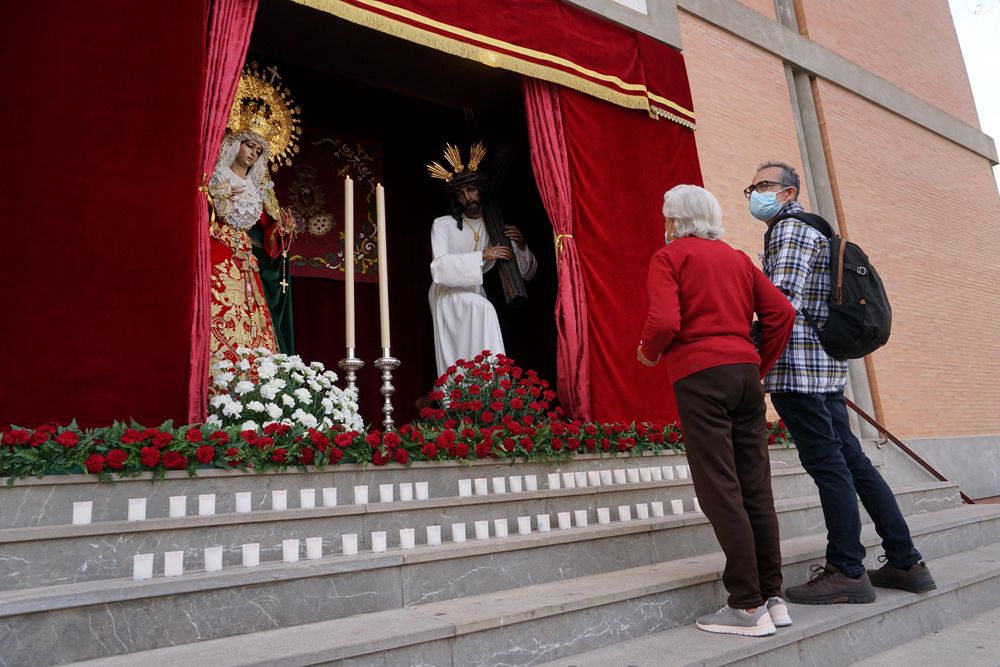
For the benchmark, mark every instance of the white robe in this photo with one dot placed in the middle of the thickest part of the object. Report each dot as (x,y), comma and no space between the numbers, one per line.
(465,322)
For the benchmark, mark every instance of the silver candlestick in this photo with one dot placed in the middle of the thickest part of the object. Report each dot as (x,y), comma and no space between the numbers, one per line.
(351,365)
(387,364)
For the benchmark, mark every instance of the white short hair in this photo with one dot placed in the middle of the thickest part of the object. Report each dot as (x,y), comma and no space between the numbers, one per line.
(695,212)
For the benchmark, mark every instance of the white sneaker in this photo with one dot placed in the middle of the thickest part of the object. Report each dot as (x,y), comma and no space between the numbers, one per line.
(729,621)
(778,611)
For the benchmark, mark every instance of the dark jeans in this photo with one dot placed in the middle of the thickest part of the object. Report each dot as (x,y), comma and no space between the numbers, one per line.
(723,413)
(833,458)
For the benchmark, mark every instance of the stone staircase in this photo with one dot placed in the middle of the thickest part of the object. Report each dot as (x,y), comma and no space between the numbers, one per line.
(604,594)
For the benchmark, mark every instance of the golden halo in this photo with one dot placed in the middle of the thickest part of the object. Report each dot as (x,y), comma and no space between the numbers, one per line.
(263,105)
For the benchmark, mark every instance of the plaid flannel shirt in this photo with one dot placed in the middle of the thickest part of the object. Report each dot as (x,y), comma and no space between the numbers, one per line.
(797,260)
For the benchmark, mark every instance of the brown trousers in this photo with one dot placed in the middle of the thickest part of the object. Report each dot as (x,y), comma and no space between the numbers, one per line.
(724,418)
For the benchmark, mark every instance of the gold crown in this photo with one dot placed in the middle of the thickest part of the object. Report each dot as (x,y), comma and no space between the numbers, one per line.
(263,106)
(454,158)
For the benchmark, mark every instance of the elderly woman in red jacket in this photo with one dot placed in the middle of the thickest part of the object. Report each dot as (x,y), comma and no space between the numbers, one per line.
(703,295)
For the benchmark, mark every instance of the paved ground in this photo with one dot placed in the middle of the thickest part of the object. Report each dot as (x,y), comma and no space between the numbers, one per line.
(974,643)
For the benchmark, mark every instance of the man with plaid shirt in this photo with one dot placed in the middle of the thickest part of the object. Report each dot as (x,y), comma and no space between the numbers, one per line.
(807,390)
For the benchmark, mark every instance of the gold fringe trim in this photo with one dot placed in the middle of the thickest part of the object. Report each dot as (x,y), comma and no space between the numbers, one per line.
(639,100)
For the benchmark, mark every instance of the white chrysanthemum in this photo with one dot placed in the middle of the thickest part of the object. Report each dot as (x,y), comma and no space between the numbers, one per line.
(243,365)
(316,365)
(298,377)
(288,400)
(233,409)
(278,383)
(327,405)
(220,400)
(244,387)
(249,425)
(315,386)
(305,418)
(268,392)
(267,370)
(255,406)
(303,395)
(273,411)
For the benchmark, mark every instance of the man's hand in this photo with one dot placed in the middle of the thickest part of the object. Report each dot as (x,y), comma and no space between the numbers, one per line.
(497,252)
(515,235)
(643,359)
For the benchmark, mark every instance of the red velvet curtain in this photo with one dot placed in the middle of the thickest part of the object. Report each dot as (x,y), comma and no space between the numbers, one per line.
(550,164)
(229,25)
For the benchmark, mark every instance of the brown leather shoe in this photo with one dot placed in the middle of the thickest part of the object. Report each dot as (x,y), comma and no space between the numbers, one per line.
(828,585)
(917,579)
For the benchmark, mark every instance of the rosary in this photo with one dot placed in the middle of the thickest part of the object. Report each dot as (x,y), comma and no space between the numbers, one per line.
(284,264)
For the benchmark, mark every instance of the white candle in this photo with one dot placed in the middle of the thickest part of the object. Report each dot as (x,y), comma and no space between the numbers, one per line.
(206,504)
(82,512)
(423,490)
(349,544)
(482,486)
(458,532)
(406,491)
(543,523)
(624,513)
(314,548)
(524,525)
(677,506)
(553,480)
(434,536)
(565,522)
(697,505)
(307,498)
(657,473)
(530,482)
(178,506)
(645,474)
(568,480)
(279,500)
(213,559)
(515,484)
(349,262)
(603,515)
(668,472)
(385,493)
(499,485)
(683,471)
(251,554)
(580,479)
(361,495)
(136,509)
(383,268)
(619,475)
(580,518)
(633,475)
(482,530)
(142,566)
(500,527)
(290,551)
(464,488)
(657,508)
(593,478)
(606,477)
(173,564)
(642,511)
(407,538)
(378,541)
(329,496)
(244,502)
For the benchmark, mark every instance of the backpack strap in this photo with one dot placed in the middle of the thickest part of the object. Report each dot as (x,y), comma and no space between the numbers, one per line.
(817,222)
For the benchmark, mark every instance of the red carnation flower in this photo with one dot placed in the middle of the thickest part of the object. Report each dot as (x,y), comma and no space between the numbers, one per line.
(401,456)
(150,456)
(162,439)
(374,439)
(572,444)
(590,444)
(39,438)
(116,459)
(392,440)
(205,454)
(429,450)
(231,454)
(605,444)
(50,428)
(527,444)
(379,457)
(69,439)
(16,437)
(557,444)
(193,435)
(220,438)
(249,436)
(558,428)
(343,439)
(149,433)
(335,455)
(509,444)
(771,439)
(279,454)
(673,437)
(307,456)
(487,416)
(94,463)
(461,450)
(175,461)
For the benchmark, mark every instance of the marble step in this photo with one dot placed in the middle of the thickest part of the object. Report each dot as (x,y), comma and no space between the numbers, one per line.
(46,555)
(201,606)
(562,620)
(49,501)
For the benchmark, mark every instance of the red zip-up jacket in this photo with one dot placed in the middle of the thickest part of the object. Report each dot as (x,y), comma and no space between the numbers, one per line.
(702,298)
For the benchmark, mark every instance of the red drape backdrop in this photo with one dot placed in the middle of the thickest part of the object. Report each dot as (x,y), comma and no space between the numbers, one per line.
(101,113)
(230,23)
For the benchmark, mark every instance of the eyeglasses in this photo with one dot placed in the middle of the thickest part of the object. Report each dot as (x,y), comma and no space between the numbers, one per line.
(761,187)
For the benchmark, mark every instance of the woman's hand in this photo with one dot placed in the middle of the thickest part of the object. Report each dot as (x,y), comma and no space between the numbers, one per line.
(497,252)
(287,223)
(643,359)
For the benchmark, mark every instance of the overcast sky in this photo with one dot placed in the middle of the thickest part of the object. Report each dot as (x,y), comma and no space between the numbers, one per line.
(978,26)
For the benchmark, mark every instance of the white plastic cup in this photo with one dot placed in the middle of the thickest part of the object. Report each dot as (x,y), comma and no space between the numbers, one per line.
(499,485)
(251,554)
(633,475)
(554,480)
(667,472)
(606,479)
(423,490)
(464,488)
(173,564)
(206,504)
(624,513)
(677,506)
(178,507)
(279,500)
(434,536)
(349,544)
(657,473)
(244,502)
(530,482)
(314,548)
(524,525)
(500,527)
(307,498)
(603,515)
(361,494)
(544,525)
(697,506)
(481,485)
(385,493)
(290,550)
(406,491)
(645,474)
(142,566)
(580,518)
(641,511)
(515,484)
(82,512)
(458,532)
(378,541)
(564,520)
(213,559)
(483,530)
(568,480)
(683,472)
(329,496)
(136,509)
(619,475)
(656,508)
(580,479)
(407,538)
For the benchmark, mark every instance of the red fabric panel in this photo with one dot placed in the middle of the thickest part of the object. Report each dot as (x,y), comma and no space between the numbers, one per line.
(99,215)
(621,163)
(550,164)
(229,25)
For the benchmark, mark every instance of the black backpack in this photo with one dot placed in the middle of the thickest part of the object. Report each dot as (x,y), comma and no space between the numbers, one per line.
(860,315)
